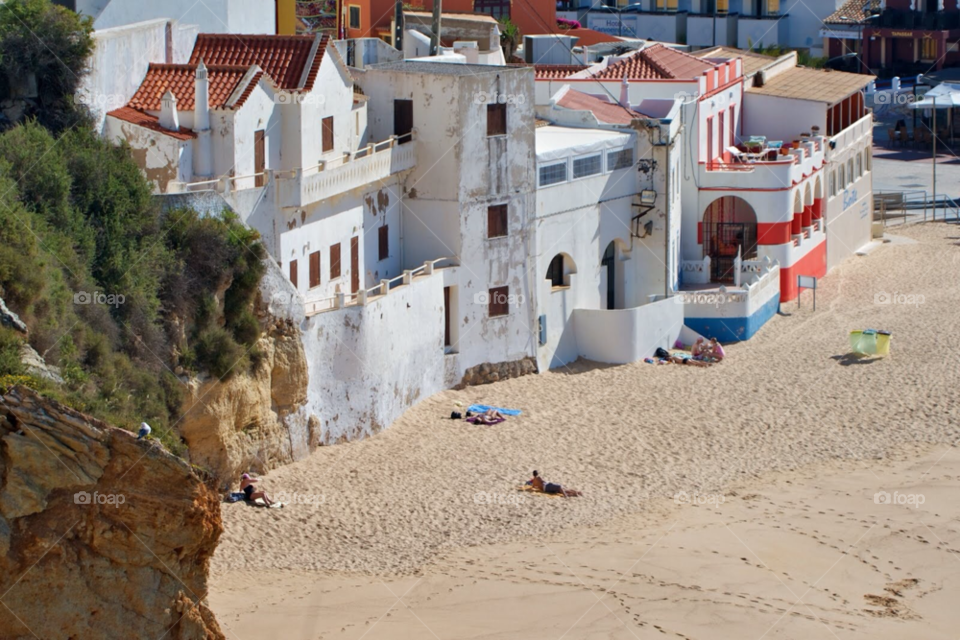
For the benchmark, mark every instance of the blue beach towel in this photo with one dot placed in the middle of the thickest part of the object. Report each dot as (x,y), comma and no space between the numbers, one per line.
(480,408)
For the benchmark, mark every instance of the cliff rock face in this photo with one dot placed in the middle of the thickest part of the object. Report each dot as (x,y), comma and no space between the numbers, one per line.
(253,420)
(101,535)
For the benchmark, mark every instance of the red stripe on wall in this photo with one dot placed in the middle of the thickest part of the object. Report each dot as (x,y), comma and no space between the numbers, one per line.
(773,232)
(812,264)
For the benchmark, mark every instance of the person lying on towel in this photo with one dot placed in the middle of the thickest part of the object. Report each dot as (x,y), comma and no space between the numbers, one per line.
(548,487)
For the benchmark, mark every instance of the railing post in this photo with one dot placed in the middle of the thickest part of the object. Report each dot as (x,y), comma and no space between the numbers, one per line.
(407,276)
(384,287)
(428,268)
(362,297)
(339,300)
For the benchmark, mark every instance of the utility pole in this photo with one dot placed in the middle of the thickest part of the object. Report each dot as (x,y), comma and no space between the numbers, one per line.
(935,159)
(398,26)
(435,36)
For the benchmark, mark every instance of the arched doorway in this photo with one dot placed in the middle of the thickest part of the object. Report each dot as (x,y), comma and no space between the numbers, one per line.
(729,226)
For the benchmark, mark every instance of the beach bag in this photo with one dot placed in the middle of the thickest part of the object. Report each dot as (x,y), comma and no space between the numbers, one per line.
(456,415)
(661,353)
(235,497)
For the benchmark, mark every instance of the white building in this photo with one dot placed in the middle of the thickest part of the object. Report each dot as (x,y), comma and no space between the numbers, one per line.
(210,16)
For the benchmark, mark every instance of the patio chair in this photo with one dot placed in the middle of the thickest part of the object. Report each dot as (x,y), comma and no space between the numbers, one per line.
(736,154)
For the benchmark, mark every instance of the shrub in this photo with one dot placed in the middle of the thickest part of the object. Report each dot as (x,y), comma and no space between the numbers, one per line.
(218,353)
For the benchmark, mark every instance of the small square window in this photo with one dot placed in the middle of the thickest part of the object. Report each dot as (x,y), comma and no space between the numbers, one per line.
(622,159)
(553,174)
(499,304)
(496,119)
(589,166)
(497,221)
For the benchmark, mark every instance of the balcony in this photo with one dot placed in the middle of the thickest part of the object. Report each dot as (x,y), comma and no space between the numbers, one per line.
(862,128)
(302,187)
(767,166)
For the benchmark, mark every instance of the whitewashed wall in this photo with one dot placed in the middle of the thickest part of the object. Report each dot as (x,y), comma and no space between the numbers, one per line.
(212,16)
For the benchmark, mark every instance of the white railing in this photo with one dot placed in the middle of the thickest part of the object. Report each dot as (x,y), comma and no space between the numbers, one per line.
(852,134)
(374,162)
(341,300)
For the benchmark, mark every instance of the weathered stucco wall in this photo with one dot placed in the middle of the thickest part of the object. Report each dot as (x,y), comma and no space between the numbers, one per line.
(162,158)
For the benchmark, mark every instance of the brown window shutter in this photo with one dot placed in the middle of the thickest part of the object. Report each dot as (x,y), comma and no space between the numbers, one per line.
(384,242)
(315,269)
(293,273)
(497,221)
(334,261)
(496,119)
(498,304)
(328,134)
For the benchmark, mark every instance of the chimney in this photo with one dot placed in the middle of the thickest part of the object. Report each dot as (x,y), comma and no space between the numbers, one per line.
(203,151)
(169,119)
(201,114)
(625,93)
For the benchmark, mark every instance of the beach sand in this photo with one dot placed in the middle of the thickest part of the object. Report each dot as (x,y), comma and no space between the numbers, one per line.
(419,532)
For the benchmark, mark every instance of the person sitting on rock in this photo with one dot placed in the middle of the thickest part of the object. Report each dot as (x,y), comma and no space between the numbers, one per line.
(250,492)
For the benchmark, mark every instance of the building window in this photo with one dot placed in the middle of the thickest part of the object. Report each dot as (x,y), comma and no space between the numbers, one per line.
(850,175)
(622,159)
(334,261)
(553,173)
(833,183)
(499,304)
(842,184)
(588,166)
(496,8)
(384,251)
(867,154)
(328,134)
(315,269)
(928,49)
(556,272)
(293,273)
(496,119)
(859,166)
(497,221)
(354,17)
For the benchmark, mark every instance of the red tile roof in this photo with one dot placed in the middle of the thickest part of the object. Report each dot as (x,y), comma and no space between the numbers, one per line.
(556,71)
(604,110)
(129,114)
(180,80)
(656,62)
(283,58)
(853,12)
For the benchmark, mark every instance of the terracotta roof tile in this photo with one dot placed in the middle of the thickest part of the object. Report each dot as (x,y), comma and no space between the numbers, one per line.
(283,58)
(751,60)
(180,80)
(129,114)
(556,71)
(656,62)
(853,12)
(604,110)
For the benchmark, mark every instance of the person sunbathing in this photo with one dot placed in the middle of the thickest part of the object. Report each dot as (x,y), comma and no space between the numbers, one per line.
(696,361)
(490,416)
(250,492)
(549,487)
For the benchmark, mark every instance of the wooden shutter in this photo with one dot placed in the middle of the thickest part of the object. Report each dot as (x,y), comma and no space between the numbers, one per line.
(773,7)
(497,221)
(334,261)
(293,273)
(259,157)
(496,119)
(384,243)
(498,305)
(328,134)
(354,264)
(723,6)
(315,269)
(672,5)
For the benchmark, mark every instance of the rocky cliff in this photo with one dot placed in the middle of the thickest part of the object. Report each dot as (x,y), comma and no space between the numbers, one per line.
(256,420)
(101,535)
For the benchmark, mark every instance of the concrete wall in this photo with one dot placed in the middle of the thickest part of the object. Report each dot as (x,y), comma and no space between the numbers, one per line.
(627,335)
(121,57)
(781,118)
(849,213)
(162,158)
(211,16)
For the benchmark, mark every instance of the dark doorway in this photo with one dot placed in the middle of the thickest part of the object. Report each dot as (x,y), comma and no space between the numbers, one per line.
(402,119)
(446,317)
(609,263)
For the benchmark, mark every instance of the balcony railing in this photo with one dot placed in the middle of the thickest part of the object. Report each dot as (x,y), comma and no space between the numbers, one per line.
(363,296)
(302,187)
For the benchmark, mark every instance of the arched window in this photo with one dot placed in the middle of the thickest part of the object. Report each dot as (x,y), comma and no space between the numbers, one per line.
(867,153)
(833,183)
(842,184)
(558,273)
(859,165)
(850,175)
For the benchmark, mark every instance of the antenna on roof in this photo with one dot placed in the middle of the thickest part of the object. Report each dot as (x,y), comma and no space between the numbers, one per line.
(435,36)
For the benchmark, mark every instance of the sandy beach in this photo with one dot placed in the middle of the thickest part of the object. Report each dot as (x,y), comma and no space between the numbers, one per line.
(776,456)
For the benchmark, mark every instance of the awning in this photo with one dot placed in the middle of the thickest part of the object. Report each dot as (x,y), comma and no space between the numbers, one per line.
(942,96)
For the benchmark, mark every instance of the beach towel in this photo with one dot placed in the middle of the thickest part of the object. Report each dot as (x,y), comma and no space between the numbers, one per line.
(529,489)
(477,420)
(481,408)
